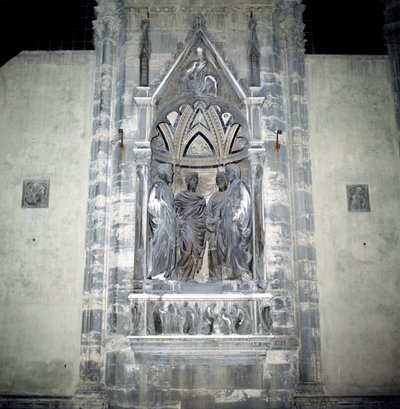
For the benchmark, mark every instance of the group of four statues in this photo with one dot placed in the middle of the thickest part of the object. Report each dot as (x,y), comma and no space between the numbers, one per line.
(180,227)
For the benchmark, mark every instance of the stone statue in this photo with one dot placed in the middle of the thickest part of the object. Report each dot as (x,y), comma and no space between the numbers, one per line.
(162,221)
(190,208)
(216,253)
(198,76)
(236,226)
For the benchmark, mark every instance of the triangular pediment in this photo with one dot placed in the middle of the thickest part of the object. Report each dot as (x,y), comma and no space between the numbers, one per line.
(199,72)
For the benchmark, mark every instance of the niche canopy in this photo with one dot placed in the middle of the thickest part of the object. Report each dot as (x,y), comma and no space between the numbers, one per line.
(198,123)
(199,135)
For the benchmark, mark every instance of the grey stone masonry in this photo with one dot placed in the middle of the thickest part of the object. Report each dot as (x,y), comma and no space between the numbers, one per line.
(227,344)
(108,33)
(391,30)
(289,25)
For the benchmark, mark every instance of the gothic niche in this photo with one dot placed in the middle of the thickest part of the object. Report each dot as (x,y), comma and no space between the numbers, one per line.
(200,209)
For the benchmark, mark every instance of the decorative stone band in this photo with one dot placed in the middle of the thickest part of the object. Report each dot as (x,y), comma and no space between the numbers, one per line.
(199,315)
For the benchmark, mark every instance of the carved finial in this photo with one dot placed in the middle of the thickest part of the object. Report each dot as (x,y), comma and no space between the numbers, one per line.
(291,26)
(199,22)
(254,52)
(145,51)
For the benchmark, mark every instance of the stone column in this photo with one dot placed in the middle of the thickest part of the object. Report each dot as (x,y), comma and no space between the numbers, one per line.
(254,105)
(142,157)
(392,36)
(256,159)
(290,26)
(145,110)
(107,31)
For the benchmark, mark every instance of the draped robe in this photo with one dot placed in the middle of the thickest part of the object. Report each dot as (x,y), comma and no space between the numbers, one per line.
(162,222)
(237,230)
(190,209)
(216,251)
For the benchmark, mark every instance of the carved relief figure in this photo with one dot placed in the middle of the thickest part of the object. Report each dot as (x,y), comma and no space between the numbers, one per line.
(237,226)
(157,321)
(190,208)
(188,315)
(242,320)
(266,318)
(208,319)
(358,198)
(172,322)
(162,221)
(226,322)
(216,254)
(35,194)
(191,317)
(136,313)
(198,76)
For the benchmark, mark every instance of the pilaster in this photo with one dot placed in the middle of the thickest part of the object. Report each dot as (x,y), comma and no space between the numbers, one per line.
(391,30)
(291,43)
(107,37)
(142,156)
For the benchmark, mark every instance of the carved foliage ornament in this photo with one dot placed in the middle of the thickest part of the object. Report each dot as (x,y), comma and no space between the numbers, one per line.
(109,15)
(291,27)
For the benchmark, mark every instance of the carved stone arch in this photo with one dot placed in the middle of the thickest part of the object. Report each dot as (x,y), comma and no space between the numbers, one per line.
(199,134)
(198,140)
(199,81)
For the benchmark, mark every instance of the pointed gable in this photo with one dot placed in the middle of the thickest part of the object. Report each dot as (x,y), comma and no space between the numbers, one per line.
(199,72)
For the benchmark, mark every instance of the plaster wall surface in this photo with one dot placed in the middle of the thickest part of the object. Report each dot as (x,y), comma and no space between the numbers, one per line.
(354,138)
(45,127)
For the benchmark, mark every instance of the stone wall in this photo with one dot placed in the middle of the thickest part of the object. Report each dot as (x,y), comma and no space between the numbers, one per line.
(144,368)
(45,116)
(353,138)
(50,132)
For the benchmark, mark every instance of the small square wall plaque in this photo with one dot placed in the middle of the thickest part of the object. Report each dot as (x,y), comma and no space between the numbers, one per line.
(358,198)
(35,193)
